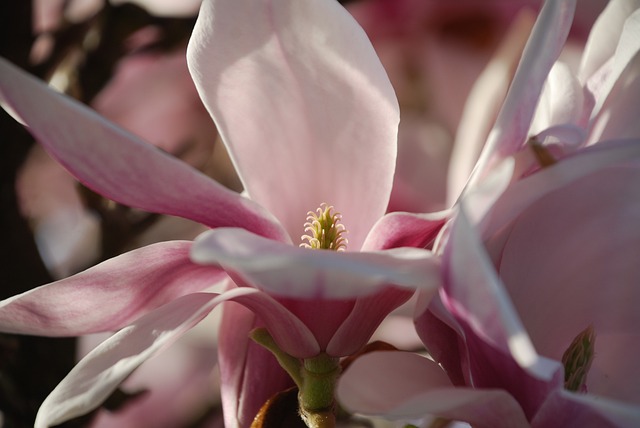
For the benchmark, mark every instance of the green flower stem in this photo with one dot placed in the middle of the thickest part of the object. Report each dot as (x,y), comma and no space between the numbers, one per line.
(319,377)
(315,377)
(290,364)
(315,398)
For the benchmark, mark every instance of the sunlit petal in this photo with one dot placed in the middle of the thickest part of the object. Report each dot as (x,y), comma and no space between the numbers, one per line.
(119,165)
(299,97)
(110,295)
(289,271)
(543,47)
(93,379)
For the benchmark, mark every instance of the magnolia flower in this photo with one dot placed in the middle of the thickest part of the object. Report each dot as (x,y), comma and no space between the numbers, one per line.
(539,326)
(434,51)
(536,323)
(308,115)
(574,109)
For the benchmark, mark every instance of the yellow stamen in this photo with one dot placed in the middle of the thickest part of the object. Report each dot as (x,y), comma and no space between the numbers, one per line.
(325,232)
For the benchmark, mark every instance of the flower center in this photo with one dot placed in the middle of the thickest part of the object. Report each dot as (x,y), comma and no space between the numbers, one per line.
(577,360)
(324,230)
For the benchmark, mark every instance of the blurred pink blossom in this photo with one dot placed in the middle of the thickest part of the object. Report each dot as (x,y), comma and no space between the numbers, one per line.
(150,94)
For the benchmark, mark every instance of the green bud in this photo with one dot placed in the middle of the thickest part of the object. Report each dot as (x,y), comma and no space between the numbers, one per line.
(577,360)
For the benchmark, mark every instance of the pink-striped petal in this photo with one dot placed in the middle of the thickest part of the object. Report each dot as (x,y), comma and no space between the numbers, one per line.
(303,104)
(250,374)
(110,295)
(401,229)
(289,271)
(119,165)
(367,314)
(102,370)
(402,385)
(289,332)
(510,130)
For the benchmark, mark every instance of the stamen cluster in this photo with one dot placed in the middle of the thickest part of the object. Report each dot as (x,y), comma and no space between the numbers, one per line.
(325,232)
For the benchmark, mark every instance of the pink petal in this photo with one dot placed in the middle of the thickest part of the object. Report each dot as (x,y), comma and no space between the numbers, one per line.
(103,369)
(323,317)
(365,317)
(618,118)
(110,295)
(289,332)
(180,382)
(483,104)
(404,385)
(443,337)
(99,373)
(500,351)
(626,55)
(521,194)
(303,104)
(250,374)
(562,101)
(565,408)
(474,293)
(616,86)
(399,229)
(120,166)
(295,272)
(492,328)
(604,36)
(510,130)
(570,261)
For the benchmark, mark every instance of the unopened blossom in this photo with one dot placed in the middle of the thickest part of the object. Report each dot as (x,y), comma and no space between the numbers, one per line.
(309,117)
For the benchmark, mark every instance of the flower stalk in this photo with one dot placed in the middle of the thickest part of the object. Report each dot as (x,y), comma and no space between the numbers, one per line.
(315,378)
